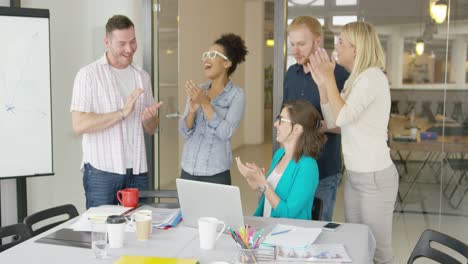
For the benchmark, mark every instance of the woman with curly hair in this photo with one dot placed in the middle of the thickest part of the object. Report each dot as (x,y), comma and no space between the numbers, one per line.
(213,112)
(288,190)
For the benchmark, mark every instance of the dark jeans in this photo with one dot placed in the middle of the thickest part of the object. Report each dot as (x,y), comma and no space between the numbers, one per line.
(101,187)
(221,178)
(326,190)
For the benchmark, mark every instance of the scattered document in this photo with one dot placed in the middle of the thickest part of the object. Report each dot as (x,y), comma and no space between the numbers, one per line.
(292,236)
(317,253)
(163,217)
(97,214)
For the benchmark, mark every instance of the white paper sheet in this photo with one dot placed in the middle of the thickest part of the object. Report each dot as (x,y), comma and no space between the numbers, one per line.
(292,236)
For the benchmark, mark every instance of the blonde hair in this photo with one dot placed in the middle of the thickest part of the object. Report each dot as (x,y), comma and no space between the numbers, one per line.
(311,23)
(369,52)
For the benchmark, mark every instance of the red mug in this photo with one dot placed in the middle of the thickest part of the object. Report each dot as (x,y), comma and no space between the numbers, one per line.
(128,197)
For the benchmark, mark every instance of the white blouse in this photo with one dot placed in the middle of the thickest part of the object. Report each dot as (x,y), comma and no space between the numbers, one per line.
(364,121)
(272,180)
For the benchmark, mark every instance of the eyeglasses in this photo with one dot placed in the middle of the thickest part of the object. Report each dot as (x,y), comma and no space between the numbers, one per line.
(280,119)
(212,55)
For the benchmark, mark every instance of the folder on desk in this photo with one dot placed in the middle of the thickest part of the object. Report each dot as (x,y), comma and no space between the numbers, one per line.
(153,260)
(67,237)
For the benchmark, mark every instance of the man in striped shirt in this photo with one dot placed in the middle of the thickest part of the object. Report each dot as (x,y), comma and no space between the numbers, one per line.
(112,105)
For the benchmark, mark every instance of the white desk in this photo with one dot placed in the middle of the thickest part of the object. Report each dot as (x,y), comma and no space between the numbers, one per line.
(183,242)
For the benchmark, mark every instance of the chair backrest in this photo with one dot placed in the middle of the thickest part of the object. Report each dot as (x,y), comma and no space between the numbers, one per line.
(67,209)
(18,233)
(424,249)
(160,194)
(317,208)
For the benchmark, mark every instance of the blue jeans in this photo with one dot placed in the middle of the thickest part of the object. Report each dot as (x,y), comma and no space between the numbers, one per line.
(326,190)
(101,187)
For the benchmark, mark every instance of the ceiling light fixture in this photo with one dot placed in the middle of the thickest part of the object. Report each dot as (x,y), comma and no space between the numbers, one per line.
(419,47)
(270,42)
(439,11)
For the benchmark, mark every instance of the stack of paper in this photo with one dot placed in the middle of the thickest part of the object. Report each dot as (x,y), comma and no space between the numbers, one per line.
(292,236)
(266,253)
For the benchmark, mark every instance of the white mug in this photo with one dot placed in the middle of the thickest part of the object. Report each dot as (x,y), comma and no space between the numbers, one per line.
(207,231)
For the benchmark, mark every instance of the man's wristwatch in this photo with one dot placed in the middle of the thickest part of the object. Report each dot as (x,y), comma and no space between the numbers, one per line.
(263,187)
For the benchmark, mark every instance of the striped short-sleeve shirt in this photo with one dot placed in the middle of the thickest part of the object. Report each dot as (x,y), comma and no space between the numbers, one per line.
(95,90)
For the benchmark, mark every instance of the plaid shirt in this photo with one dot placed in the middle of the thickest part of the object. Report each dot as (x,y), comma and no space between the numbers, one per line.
(95,91)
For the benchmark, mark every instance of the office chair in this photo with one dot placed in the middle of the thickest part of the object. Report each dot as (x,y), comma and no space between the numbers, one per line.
(394,109)
(455,192)
(67,209)
(152,194)
(18,233)
(423,248)
(317,208)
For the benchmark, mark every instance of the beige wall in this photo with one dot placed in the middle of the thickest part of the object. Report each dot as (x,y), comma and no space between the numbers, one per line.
(254,72)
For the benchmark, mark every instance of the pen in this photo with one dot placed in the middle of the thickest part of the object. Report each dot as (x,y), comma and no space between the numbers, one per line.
(281,232)
(257,242)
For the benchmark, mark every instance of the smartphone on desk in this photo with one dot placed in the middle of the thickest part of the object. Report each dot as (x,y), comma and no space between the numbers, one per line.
(331,226)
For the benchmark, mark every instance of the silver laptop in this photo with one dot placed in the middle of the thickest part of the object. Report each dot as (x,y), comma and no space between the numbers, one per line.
(201,199)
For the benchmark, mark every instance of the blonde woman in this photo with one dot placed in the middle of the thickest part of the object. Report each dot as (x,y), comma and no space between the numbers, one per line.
(362,112)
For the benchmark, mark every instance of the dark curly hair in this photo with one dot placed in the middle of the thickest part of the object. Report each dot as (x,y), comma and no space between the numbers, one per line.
(312,140)
(235,49)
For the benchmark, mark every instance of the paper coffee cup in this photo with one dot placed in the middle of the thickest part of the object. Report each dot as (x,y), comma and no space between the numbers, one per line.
(116,230)
(142,226)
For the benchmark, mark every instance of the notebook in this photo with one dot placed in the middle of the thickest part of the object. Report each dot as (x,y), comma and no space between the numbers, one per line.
(67,237)
(153,260)
(201,199)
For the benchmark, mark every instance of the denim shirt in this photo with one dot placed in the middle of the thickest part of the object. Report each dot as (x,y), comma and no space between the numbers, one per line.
(207,149)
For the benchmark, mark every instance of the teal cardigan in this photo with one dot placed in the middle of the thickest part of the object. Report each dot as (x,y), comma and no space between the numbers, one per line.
(296,188)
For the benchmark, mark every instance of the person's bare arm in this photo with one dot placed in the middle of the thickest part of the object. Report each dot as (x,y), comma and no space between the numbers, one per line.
(92,122)
(325,129)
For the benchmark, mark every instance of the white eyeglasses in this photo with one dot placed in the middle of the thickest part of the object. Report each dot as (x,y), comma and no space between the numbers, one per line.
(212,55)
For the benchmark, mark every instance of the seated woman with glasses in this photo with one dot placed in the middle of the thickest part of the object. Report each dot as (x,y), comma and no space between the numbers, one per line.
(212,113)
(288,189)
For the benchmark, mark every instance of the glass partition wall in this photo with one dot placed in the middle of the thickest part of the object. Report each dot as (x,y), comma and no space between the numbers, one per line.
(429,92)
(166,80)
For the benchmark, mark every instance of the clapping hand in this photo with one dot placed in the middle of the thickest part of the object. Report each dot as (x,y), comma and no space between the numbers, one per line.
(321,67)
(196,94)
(252,173)
(189,86)
(131,101)
(150,112)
